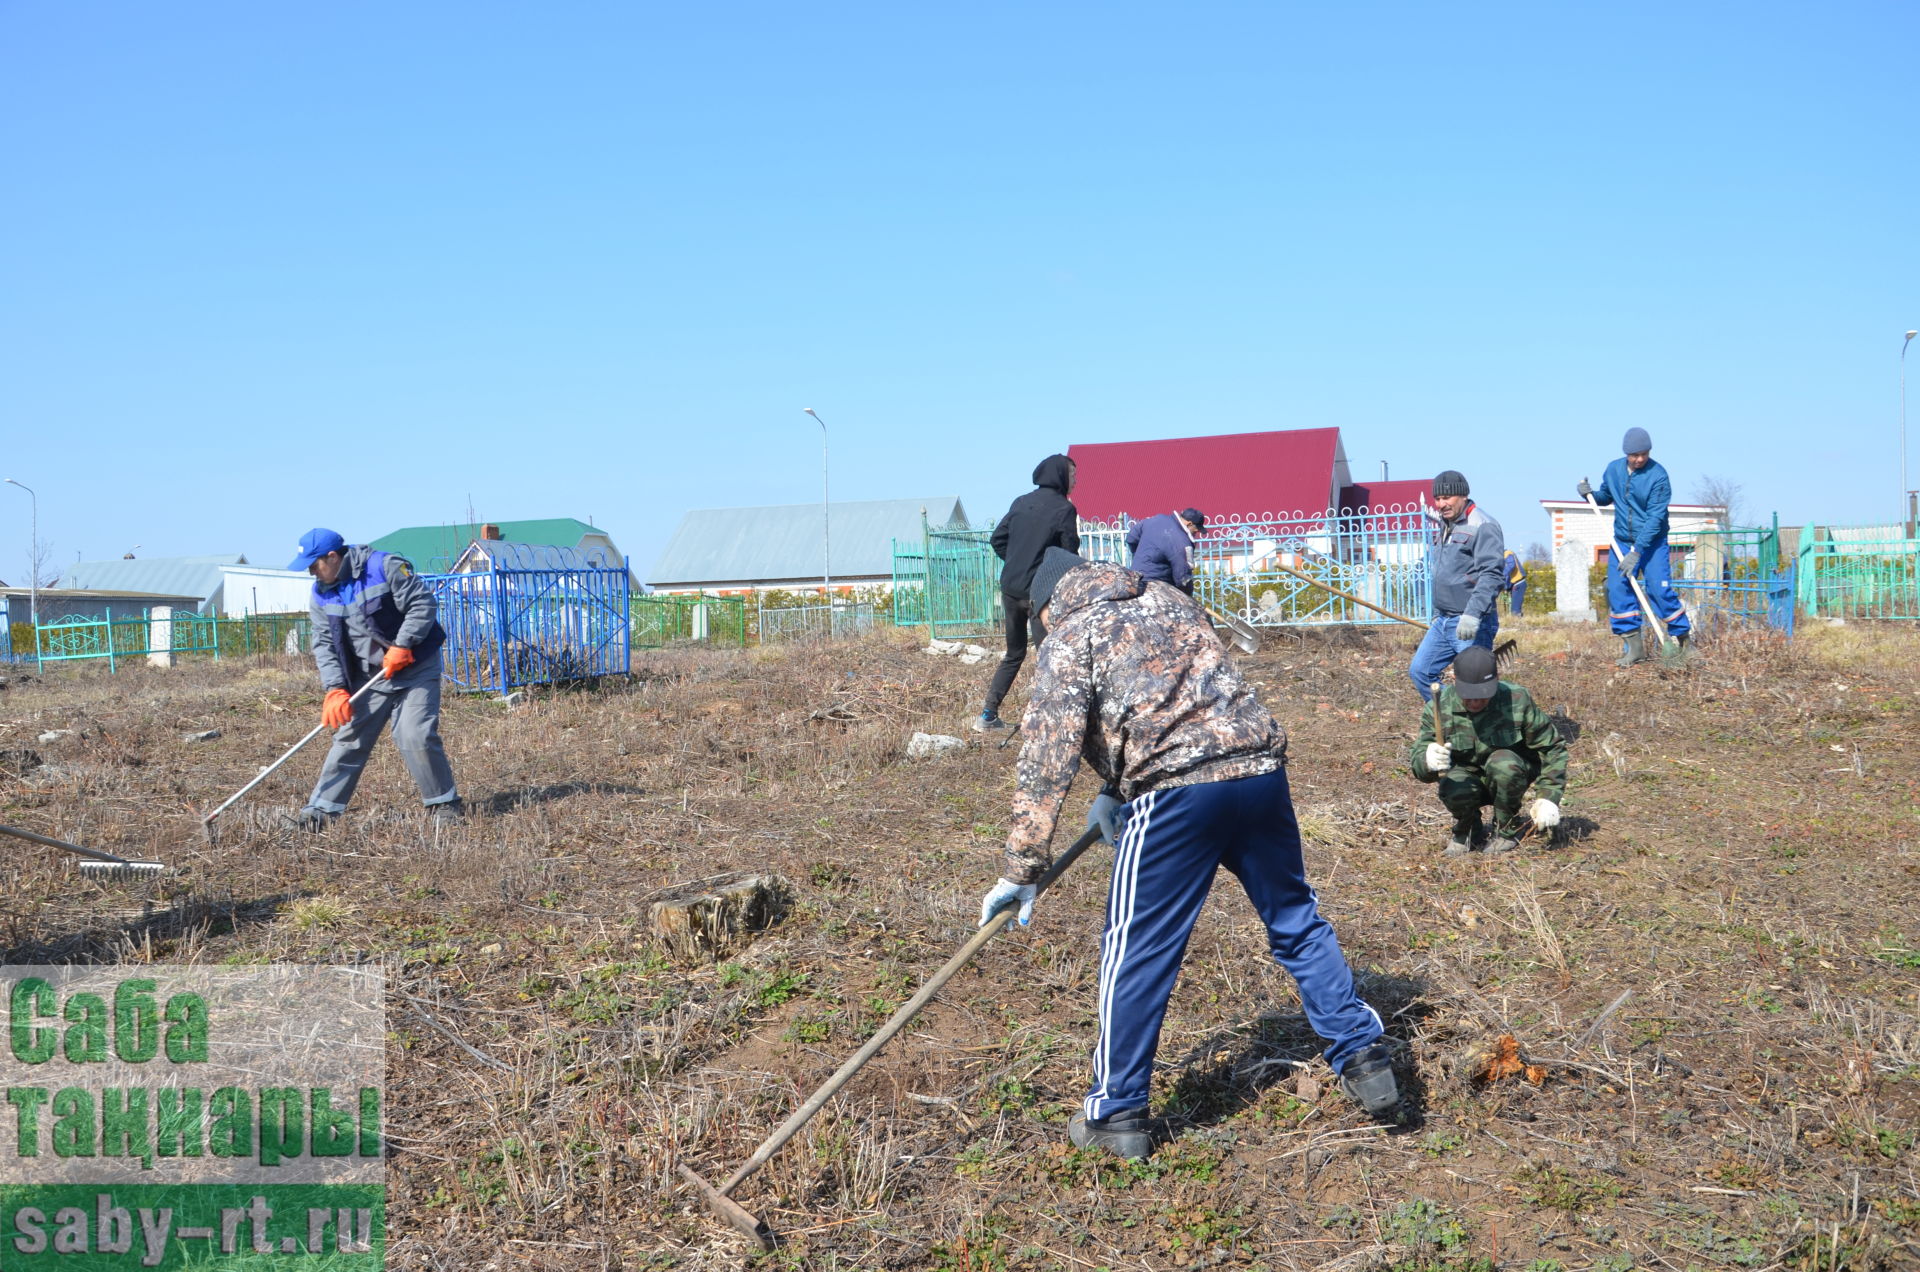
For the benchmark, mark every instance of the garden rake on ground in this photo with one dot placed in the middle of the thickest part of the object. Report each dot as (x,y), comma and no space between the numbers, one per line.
(1503,653)
(720,1200)
(206,823)
(98,865)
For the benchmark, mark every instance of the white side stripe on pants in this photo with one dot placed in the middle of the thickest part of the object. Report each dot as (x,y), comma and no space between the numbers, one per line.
(1126,876)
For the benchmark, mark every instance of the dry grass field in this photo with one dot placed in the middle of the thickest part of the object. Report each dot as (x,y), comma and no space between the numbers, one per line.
(1737,882)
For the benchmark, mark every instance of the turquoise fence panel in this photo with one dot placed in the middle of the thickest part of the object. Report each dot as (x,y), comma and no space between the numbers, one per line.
(949,579)
(1859,572)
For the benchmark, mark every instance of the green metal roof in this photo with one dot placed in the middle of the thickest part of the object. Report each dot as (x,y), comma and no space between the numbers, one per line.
(433,549)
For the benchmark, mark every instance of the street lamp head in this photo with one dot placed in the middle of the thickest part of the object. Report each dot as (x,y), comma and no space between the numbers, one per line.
(810,411)
(1910,335)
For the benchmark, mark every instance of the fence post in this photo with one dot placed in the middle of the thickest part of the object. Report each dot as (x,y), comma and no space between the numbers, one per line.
(160,636)
(926,572)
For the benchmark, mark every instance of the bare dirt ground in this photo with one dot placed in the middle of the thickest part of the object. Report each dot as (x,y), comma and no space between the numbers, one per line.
(1739,863)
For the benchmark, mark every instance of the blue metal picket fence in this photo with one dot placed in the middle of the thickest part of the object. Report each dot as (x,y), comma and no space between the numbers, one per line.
(1715,605)
(509,627)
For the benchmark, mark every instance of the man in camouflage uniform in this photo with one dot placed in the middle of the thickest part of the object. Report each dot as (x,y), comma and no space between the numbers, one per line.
(1132,679)
(1497,743)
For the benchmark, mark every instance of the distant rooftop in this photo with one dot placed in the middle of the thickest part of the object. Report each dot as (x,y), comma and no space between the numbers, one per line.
(434,549)
(197,576)
(783,542)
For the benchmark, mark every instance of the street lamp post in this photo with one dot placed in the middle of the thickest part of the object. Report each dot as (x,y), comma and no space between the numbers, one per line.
(1905,505)
(826,515)
(33,550)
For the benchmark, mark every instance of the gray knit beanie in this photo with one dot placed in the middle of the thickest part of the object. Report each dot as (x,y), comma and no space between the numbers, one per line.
(1449,483)
(1635,441)
(1053,567)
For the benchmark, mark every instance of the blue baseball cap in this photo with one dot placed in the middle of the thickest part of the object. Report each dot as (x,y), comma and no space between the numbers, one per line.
(315,544)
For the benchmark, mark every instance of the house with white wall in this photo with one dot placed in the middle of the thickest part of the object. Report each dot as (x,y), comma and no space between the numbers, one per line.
(1582,539)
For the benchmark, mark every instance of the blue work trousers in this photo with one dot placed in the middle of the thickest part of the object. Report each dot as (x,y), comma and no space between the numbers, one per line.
(1517,595)
(1171,842)
(1439,647)
(1655,572)
(411,700)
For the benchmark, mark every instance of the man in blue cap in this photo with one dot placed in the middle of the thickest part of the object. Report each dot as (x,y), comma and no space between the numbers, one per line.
(374,620)
(1162,546)
(1638,490)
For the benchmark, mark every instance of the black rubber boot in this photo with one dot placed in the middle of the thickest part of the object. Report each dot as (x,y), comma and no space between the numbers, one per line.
(1124,1134)
(1636,650)
(1369,1082)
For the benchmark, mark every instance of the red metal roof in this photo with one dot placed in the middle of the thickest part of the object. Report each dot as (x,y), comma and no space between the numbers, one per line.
(1225,475)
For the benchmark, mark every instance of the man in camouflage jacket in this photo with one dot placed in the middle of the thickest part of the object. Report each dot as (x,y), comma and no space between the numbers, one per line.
(1494,742)
(1133,680)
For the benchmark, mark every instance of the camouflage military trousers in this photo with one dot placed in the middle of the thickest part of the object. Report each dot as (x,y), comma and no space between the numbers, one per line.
(1465,789)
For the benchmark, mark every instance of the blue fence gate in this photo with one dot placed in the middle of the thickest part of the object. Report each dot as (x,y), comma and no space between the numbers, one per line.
(534,615)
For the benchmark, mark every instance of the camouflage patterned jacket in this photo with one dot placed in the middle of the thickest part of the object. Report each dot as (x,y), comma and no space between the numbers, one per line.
(1511,721)
(1132,677)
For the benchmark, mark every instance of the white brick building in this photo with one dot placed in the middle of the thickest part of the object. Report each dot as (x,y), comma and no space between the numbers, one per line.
(1582,540)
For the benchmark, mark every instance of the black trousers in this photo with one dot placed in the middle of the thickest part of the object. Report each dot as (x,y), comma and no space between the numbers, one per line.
(1023,626)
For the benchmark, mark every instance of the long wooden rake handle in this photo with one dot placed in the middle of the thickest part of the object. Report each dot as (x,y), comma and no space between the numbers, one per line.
(898,1021)
(92,854)
(1327,587)
(1660,631)
(267,772)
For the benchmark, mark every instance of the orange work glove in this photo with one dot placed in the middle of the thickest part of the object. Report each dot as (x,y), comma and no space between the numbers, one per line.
(337,711)
(397,661)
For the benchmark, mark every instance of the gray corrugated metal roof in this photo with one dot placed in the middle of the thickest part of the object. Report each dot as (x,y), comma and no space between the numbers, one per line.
(175,576)
(739,545)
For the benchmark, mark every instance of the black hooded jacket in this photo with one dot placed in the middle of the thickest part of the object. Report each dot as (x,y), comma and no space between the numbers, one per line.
(1040,519)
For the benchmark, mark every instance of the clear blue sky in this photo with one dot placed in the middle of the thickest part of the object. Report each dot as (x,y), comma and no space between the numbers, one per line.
(367,265)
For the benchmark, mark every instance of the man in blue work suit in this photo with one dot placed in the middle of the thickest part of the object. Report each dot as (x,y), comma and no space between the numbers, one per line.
(1639,491)
(373,619)
(1162,546)
(1133,680)
(1466,572)
(1516,583)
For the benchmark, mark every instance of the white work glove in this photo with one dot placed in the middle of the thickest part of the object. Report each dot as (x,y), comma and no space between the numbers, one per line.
(1467,628)
(1105,814)
(1545,814)
(1001,896)
(1439,758)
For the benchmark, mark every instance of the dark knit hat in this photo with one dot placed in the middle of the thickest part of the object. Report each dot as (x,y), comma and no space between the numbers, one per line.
(1635,441)
(1449,483)
(1053,567)
(1196,517)
(1475,675)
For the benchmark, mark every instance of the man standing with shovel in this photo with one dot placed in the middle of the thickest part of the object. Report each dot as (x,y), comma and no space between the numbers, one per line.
(1638,489)
(1132,679)
(373,617)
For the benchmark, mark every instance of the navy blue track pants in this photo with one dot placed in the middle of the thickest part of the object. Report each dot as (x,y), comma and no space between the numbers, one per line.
(1171,841)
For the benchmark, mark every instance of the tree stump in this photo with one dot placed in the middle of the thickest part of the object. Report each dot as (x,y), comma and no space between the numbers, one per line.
(708,920)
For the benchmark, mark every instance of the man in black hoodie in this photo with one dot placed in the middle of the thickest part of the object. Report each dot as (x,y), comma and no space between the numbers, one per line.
(1040,519)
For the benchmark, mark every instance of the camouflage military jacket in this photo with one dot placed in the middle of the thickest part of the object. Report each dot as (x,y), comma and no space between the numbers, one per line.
(1511,721)
(1132,678)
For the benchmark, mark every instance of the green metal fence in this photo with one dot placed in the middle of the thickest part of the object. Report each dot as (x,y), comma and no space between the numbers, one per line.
(948,581)
(1859,572)
(1728,553)
(670,618)
(181,634)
